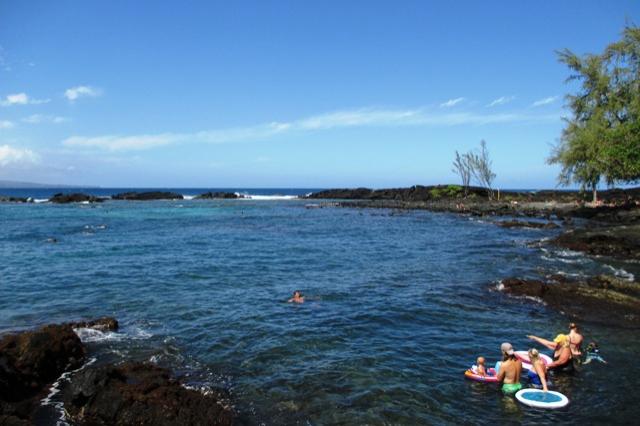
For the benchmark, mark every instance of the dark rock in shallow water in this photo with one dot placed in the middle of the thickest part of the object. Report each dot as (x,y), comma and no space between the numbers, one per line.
(9,199)
(147,196)
(621,241)
(211,195)
(602,299)
(135,393)
(33,359)
(526,224)
(102,324)
(77,197)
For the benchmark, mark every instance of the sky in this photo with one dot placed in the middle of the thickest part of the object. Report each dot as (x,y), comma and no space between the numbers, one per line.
(310,94)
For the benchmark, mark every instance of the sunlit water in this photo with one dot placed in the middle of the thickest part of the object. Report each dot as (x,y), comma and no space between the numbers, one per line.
(399,304)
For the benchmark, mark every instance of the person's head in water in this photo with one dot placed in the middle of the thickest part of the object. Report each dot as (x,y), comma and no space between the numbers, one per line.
(297,297)
(507,351)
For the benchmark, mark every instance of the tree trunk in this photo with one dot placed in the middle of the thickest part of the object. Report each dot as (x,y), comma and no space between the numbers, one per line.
(595,194)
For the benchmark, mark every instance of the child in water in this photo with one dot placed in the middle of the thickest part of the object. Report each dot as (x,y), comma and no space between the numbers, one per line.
(480,368)
(593,353)
(297,297)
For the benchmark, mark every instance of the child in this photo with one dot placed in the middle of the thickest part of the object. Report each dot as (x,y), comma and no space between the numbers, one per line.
(480,368)
(593,353)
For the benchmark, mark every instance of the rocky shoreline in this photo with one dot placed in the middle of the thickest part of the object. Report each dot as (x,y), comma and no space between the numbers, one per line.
(79,197)
(123,394)
(611,229)
(600,299)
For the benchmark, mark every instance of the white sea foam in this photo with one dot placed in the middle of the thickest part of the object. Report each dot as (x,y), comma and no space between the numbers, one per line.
(268,197)
(55,389)
(90,335)
(621,273)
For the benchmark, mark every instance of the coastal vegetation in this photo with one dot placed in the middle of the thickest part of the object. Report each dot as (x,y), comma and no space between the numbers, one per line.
(476,164)
(601,140)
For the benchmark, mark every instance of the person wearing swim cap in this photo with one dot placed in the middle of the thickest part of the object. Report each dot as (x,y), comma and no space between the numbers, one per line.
(510,370)
(562,359)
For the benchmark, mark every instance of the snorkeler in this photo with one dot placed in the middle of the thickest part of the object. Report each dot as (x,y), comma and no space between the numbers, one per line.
(297,297)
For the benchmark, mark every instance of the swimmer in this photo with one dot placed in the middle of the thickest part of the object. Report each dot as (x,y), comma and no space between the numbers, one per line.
(593,353)
(480,368)
(510,370)
(297,297)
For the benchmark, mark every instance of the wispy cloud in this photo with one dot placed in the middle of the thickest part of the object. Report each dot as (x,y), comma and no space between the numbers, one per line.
(78,92)
(40,118)
(451,102)
(501,101)
(545,101)
(9,155)
(6,124)
(21,99)
(366,117)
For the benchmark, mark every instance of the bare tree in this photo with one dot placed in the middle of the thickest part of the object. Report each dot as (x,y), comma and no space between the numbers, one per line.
(481,167)
(462,167)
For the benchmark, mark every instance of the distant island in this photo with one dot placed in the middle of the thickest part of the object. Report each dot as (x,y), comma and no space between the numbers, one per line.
(20,184)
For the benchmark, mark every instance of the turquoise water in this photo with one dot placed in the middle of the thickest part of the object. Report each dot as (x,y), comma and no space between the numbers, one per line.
(399,305)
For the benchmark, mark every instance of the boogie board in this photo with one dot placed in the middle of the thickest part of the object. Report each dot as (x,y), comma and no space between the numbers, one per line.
(472,374)
(526,362)
(541,399)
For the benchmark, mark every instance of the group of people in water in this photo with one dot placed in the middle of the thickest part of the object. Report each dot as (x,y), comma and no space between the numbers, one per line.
(567,352)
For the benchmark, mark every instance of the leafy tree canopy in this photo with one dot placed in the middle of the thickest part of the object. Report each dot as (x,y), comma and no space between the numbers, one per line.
(602,138)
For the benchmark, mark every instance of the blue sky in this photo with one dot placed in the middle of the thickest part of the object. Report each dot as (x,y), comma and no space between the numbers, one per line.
(288,93)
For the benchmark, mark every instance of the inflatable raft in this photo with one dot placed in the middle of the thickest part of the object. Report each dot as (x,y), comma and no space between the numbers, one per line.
(526,362)
(472,374)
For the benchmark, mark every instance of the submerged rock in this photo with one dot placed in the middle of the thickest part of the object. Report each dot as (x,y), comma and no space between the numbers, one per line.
(622,241)
(526,224)
(102,324)
(136,393)
(146,196)
(76,197)
(603,299)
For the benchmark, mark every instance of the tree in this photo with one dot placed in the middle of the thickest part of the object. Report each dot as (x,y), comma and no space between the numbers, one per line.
(602,138)
(462,167)
(480,166)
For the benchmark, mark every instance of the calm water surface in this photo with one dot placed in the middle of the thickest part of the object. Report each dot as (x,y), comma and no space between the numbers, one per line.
(399,305)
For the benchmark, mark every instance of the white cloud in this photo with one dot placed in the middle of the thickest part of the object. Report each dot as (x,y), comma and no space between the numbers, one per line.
(21,99)
(39,118)
(545,101)
(367,117)
(501,101)
(451,102)
(10,155)
(82,91)
(6,124)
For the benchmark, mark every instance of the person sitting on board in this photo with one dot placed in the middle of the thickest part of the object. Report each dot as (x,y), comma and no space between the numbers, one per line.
(538,373)
(510,369)
(575,341)
(593,353)
(480,368)
(297,297)
(562,358)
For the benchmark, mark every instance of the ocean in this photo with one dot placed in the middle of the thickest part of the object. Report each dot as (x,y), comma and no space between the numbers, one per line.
(399,304)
